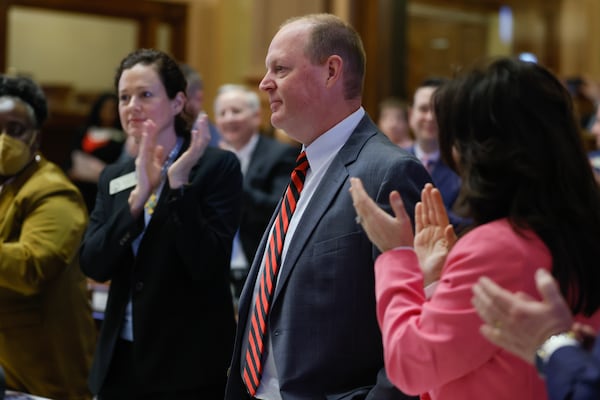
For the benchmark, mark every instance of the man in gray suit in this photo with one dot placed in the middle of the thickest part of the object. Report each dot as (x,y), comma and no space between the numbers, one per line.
(322,340)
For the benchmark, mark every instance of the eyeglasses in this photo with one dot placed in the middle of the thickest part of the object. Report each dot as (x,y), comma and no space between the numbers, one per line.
(15,129)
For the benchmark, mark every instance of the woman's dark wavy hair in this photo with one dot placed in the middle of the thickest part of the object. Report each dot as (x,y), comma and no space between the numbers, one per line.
(29,92)
(521,157)
(170,75)
(94,116)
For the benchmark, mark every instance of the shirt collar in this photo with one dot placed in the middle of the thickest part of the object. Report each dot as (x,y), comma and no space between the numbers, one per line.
(329,143)
(421,155)
(246,151)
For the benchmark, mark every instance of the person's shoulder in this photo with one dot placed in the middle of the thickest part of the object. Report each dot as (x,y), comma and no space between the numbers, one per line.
(48,179)
(500,234)
(594,153)
(52,174)
(216,153)
(386,150)
(443,171)
(277,146)
(215,157)
(118,168)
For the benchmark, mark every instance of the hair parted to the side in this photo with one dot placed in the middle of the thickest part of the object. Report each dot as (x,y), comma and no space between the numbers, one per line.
(29,92)
(169,73)
(94,115)
(251,97)
(521,157)
(192,77)
(330,35)
(394,103)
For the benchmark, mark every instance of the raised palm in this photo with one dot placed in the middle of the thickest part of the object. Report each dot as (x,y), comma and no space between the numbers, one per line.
(434,236)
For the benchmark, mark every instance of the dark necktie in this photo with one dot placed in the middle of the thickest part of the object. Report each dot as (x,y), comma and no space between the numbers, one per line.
(252,369)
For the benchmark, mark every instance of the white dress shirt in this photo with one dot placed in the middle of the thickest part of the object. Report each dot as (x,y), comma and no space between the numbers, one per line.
(239,260)
(320,154)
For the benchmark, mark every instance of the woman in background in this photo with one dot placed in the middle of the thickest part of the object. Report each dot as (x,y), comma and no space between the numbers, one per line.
(98,143)
(161,232)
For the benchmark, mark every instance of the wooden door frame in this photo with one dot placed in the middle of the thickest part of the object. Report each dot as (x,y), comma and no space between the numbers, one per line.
(147,14)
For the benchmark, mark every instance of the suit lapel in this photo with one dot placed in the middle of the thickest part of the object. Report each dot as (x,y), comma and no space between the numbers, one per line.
(123,195)
(326,193)
(160,208)
(255,166)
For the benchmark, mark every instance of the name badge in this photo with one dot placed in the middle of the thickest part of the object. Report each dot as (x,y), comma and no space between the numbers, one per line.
(121,183)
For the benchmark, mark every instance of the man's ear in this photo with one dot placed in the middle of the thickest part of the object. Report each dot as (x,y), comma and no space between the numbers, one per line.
(335,66)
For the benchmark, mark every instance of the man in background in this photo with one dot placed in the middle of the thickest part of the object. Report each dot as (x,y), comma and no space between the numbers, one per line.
(393,121)
(195,99)
(427,149)
(266,165)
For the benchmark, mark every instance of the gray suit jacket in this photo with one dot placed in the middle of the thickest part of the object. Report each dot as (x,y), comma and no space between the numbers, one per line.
(322,323)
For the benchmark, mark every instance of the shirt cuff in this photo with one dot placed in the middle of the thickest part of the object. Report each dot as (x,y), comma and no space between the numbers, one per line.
(553,343)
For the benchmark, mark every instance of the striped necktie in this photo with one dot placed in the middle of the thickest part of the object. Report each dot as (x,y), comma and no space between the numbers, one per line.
(252,369)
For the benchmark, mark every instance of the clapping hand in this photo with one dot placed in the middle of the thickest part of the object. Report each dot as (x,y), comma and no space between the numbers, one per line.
(384,230)
(148,165)
(434,235)
(518,322)
(179,171)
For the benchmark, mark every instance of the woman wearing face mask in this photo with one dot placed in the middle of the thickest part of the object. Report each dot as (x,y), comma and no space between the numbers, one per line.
(42,290)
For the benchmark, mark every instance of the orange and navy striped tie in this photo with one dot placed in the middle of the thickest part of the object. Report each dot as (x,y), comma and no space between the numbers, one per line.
(252,370)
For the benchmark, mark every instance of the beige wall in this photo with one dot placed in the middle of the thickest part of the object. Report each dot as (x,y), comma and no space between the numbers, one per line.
(60,47)
(228,40)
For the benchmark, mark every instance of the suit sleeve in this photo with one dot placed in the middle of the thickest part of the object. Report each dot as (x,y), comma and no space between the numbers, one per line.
(408,177)
(573,373)
(206,216)
(111,230)
(429,343)
(51,229)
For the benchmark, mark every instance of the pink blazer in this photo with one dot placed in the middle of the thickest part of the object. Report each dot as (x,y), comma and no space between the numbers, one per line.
(433,347)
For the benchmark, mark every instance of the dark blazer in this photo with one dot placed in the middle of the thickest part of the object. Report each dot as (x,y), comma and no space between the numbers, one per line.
(268,174)
(446,180)
(322,323)
(183,320)
(448,183)
(574,373)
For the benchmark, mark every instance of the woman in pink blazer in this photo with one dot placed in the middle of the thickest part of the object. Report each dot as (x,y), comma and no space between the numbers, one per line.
(509,131)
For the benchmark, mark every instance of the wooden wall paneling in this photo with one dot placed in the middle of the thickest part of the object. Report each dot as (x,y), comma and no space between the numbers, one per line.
(550,10)
(382,26)
(441,41)
(148,32)
(179,37)
(63,120)
(267,17)
(392,49)
(537,30)
(3,34)
(147,13)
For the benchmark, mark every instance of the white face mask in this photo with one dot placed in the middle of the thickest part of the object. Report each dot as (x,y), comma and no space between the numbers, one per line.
(14,155)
